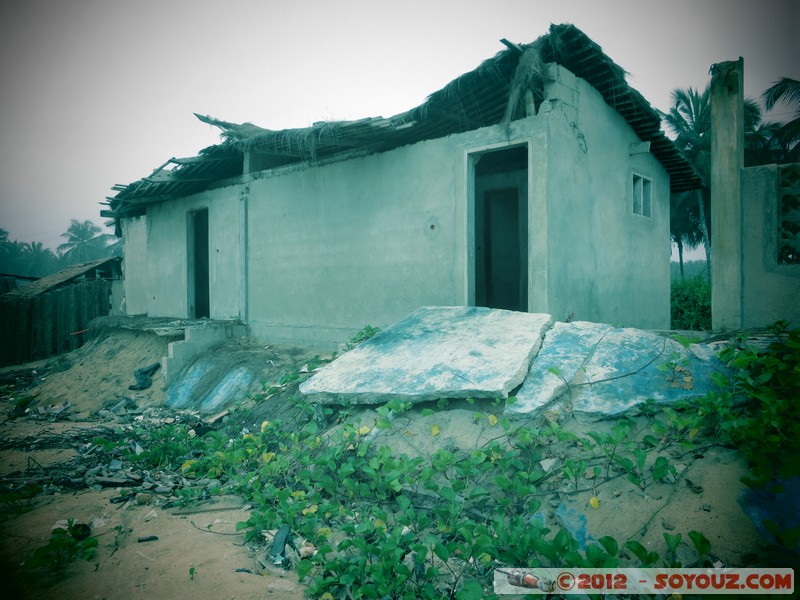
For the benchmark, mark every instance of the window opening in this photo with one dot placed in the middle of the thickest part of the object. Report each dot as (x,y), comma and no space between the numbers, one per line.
(642,196)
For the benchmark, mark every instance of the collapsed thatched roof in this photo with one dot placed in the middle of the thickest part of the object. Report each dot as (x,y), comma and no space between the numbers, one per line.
(492,93)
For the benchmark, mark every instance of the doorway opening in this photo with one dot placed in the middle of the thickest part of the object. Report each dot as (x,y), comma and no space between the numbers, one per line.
(501,228)
(199,300)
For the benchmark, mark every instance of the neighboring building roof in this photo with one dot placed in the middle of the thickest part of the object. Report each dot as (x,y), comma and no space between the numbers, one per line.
(105,266)
(9,281)
(486,96)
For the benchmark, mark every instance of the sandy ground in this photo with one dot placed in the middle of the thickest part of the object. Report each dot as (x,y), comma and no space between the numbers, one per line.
(223,567)
(95,379)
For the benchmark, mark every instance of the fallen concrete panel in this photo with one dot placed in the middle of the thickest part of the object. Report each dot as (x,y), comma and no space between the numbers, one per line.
(562,355)
(436,352)
(212,381)
(779,504)
(596,368)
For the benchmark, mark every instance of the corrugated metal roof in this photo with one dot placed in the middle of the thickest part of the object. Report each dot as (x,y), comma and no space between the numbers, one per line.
(477,99)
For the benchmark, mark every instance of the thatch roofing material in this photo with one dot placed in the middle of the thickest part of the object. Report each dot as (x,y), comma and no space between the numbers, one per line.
(486,96)
(63,277)
(175,178)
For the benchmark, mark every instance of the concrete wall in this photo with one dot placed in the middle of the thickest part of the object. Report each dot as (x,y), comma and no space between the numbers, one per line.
(605,263)
(727,161)
(313,254)
(770,291)
(365,241)
(749,287)
(164,269)
(134,267)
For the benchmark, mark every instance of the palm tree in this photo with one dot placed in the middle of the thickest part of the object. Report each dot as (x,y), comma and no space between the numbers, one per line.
(4,245)
(12,256)
(690,120)
(787,136)
(763,146)
(683,225)
(36,260)
(84,242)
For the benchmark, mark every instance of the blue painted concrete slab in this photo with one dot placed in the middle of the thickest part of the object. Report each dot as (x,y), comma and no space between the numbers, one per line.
(607,370)
(189,391)
(562,355)
(436,352)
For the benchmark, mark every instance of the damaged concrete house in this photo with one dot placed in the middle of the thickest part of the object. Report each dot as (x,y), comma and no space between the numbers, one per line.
(539,182)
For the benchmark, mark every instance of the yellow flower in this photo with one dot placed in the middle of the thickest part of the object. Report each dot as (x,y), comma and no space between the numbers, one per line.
(594,501)
(187,466)
(492,420)
(435,430)
(264,426)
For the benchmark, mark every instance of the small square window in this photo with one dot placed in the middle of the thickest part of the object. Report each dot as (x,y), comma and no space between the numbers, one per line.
(642,196)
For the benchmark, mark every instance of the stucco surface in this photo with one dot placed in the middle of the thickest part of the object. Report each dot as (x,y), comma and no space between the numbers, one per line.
(311,254)
(770,291)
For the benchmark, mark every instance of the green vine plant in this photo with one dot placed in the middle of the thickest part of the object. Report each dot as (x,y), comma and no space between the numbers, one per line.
(65,545)
(421,527)
(377,524)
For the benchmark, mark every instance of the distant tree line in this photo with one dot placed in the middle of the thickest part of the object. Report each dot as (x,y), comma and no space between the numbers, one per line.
(766,142)
(84,242)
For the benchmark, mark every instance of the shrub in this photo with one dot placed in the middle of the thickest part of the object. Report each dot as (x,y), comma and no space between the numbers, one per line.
(690,301)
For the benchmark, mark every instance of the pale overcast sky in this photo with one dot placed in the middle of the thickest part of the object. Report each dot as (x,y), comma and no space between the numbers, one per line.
(99,92)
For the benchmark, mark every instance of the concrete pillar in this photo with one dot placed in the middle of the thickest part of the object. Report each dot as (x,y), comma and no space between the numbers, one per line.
(727,161)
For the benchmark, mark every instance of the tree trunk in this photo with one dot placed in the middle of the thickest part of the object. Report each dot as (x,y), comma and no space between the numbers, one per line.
(704,231)
(679,243)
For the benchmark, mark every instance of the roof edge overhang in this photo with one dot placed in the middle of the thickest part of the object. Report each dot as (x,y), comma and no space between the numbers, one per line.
(487,95)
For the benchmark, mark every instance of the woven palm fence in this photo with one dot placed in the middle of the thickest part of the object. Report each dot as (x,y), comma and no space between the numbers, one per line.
(37,326)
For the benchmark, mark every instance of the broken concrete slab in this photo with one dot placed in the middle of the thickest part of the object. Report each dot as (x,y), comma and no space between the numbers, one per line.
(600,369)
(209,382)
(562,355)
(778,503)
(234,385)
(436,352)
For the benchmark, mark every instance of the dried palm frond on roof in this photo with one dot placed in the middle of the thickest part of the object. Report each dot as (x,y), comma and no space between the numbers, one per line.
(530,77)
(304,144)
(493,93)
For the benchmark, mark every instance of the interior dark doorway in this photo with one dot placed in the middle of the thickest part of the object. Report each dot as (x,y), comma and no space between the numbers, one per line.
(199,301)
(501,228)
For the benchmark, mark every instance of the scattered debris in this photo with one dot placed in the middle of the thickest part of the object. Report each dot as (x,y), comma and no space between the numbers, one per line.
(54,409)
(693,487)
(144,376)
(280,540)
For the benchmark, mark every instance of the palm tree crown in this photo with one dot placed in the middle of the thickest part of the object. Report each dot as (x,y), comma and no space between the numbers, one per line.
(787,135)
(84,242)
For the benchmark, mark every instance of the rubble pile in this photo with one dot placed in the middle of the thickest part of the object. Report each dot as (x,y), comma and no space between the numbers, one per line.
(107,456)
